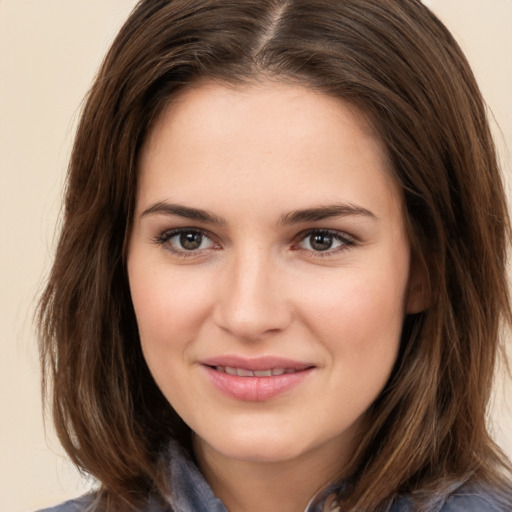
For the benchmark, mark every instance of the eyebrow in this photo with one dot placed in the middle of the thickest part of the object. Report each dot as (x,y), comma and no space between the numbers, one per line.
(325,212)
(294,217)
(184,211)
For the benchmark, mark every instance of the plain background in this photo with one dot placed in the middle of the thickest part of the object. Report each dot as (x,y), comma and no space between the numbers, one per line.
(49,52)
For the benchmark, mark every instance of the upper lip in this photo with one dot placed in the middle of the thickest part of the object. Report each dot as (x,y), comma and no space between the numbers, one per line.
(257,363)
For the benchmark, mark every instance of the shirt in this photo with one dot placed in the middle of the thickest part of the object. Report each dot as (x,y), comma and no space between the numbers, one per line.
(191,493)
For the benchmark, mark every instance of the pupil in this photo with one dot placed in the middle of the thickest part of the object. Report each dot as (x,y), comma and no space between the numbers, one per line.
(321,242)
(191,241)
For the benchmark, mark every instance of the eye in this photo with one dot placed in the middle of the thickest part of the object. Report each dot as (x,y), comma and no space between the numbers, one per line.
(186,240)
(324,241)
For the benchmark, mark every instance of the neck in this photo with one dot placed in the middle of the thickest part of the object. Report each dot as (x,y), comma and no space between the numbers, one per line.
(283,486)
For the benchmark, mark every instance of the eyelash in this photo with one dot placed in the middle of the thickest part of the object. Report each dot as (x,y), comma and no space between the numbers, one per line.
(164,238)
(346,240)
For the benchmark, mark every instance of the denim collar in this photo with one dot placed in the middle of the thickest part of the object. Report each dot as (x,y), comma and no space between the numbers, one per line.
(191,492)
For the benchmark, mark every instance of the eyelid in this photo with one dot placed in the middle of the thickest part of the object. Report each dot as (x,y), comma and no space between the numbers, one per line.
(347,241)
(166,235)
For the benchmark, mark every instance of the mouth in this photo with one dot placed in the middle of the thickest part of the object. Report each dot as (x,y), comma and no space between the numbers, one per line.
(243,372)
(255,380)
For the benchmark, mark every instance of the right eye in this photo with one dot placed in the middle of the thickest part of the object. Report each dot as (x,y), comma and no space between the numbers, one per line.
(186,241)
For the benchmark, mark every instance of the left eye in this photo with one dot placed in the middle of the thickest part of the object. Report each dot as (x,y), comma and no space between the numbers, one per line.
(187,241)
(322,241)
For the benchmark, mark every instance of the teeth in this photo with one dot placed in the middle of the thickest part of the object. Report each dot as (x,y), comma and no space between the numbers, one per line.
(242,372)
(262,373)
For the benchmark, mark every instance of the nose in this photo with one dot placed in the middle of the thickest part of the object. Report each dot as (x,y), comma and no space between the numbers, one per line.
(252,303)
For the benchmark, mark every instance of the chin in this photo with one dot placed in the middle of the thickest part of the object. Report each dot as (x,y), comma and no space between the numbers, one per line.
(256,446)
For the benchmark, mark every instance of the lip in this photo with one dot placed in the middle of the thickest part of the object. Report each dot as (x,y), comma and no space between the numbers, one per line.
(254,388)
(257,363)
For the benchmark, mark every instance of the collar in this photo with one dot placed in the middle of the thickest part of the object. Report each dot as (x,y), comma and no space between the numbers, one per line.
(190,492)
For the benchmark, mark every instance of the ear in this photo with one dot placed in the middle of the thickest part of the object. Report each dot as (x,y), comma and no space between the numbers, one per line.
(418,289)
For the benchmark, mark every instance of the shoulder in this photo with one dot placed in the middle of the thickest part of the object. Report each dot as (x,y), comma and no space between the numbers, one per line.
(467,498)
(83,504)
(474,499)
(89,503)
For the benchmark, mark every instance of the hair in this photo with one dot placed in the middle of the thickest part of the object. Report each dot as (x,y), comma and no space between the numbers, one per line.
(397,63)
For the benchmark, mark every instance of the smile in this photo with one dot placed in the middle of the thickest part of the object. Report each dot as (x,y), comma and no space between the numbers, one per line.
(255,380)
(242,372)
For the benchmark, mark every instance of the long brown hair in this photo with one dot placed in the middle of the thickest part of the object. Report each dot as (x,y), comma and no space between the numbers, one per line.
(399,65)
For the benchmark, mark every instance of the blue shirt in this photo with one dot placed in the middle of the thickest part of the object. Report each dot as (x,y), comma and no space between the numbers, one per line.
(191,493)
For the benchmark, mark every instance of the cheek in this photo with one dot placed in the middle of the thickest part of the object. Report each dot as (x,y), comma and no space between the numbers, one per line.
(359,325)
(170,307)
(359,317)
(357,301)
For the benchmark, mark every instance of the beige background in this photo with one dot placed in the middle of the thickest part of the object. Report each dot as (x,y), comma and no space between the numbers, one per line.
(49,51)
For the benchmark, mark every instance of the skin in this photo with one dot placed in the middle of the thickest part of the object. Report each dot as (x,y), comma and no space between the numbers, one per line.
(258,286)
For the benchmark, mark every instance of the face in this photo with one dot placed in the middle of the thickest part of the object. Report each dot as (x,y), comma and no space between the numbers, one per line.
(269,268)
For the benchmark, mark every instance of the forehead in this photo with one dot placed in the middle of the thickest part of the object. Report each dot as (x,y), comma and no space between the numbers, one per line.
(264,142)
(213,105)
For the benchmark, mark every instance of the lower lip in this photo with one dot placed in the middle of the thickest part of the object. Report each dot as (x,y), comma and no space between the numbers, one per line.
(255,389)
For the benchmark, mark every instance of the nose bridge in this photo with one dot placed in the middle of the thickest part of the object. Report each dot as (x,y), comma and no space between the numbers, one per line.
(252,302)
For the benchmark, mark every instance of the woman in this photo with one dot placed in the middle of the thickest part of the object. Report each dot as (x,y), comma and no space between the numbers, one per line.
(281,274)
